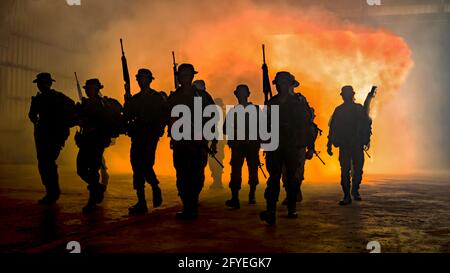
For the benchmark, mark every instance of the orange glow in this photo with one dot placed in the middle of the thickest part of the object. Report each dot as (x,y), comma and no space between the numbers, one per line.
(323,53)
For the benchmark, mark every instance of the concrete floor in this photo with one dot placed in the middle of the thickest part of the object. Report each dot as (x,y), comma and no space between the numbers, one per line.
(403,214)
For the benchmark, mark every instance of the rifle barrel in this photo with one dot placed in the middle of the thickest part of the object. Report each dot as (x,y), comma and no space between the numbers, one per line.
(264,53)
(121,47)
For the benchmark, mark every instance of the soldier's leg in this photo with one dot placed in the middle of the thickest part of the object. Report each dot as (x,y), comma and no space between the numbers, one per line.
(237,161)
(48,170)
(345,163)
(104,173)
(290,159)
(179,162)
(83,164)
(150,174)
(274,166)
(89,162)
(136,159)
(189,163)
(90,159)
(199,179)
(358,164)
(300,173)
(252,157)
(299,176)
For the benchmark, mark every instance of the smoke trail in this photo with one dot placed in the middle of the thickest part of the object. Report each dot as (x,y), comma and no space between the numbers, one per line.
(224,44)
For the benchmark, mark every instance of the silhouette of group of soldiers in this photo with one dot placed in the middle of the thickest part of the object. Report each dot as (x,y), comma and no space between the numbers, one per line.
(145,116)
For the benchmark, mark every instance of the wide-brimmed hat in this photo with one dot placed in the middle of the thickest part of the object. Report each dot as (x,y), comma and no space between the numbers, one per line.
(186,68)
(347,90)
(93,82)
(44,76)
(145,72)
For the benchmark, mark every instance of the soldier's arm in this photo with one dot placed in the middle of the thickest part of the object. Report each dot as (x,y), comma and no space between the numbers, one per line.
(165,110)
(33,113)
(331,132)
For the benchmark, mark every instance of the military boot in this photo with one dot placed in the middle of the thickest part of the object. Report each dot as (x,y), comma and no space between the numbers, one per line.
(92,201)
(50,197)
(269,215)
(234,201)
(355,193)
(157,196)
(251,195)
(189,211)
(292,207)
(141,206)
(100,193)
(347,200)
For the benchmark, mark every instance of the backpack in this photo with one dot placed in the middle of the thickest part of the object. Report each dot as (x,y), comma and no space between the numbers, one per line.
(312,130)
(365,129)
(113,117)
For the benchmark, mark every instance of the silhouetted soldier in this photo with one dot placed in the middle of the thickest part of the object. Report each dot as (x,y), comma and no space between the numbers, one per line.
(346,125)
(216,169)
(307,148)
(95,135)
(189,156)
(52,114)
(241,150)
(293,120)
(146,115)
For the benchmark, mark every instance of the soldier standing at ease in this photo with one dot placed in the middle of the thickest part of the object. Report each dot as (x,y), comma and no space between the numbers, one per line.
(189,156)
(95,135)
(293,120)
(241,150)
(350,130)
(146,115)
(216,169)
(52,114)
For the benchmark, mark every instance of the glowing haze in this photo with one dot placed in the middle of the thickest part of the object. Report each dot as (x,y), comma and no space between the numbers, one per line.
(224,44)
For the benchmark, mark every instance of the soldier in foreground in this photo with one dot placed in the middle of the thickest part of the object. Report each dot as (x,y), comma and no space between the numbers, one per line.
(307,148)
(350,130)
(241,150)
(293,120)
(189,156)
(52,114)
(146,115)
(216,169)
(96,115)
